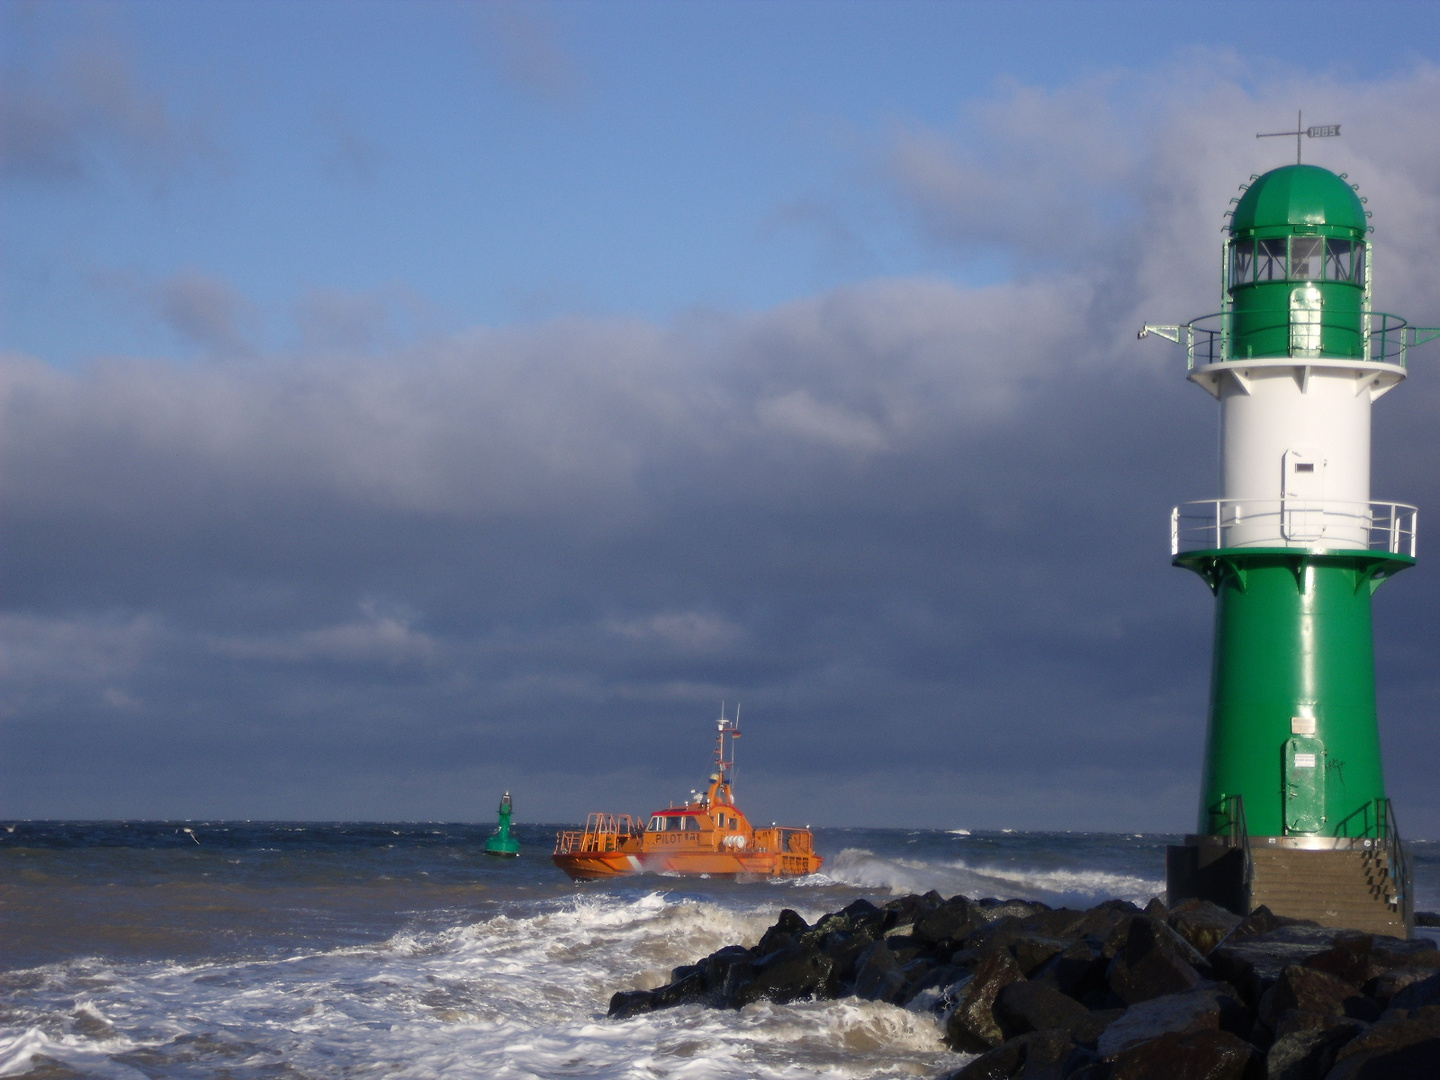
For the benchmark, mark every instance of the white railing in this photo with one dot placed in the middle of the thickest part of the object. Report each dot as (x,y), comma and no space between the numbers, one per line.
(1293,523)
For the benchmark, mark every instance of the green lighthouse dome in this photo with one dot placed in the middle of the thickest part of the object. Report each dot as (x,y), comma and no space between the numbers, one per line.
(1299,195)
(1296,273)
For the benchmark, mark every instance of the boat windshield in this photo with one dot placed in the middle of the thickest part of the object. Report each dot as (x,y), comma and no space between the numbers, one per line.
(674,823)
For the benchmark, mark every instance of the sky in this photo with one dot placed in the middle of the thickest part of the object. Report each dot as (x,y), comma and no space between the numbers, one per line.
(401,404)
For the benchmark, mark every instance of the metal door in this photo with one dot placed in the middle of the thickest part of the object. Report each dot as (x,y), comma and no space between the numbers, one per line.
(1306,306)
(1304,784)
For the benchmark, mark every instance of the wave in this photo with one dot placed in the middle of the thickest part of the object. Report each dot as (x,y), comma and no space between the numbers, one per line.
(861,868)
(516,995)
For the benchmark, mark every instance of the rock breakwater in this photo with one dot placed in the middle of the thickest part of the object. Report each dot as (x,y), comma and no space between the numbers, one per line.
(1111,993)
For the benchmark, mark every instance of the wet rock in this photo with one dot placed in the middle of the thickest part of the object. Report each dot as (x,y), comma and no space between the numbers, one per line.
(1027,1006)
(628,1003)
(863,915)
(1194,1055)
(1078,971)
(1418,995)
(1156,909)
(938,978)
(1056,923)
(727,970)
(1358,958)
(1384,987)
(1203,924)
(972,1027)
(1038,1055)
(1314,991)
(1427,918)
(1252,962)
(1308,1053)
(994,910)
(1102,919)
(1208,1007)
(1405,1044)
(1154,961)
(782,935)
(845,951)
(790,975)
(1032,951)
(689,987)
(1262,921)
(878,976)
(951,921)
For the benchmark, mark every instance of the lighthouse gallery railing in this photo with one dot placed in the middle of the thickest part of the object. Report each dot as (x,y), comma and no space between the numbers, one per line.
(1386,338)
(1328,525)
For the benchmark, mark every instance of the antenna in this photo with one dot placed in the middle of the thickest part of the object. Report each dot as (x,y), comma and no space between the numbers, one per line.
(1319,131)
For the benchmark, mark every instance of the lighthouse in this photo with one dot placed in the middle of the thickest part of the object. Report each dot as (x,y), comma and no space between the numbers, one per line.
(1293,808)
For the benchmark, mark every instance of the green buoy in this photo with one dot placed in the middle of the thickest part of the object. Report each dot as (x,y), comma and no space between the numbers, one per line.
(502,843)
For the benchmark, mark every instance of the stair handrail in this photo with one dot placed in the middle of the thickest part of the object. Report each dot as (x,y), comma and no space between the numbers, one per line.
(1240,836)
(1399,859)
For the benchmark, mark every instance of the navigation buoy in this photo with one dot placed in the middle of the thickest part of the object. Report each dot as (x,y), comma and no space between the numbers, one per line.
(1293,809)
(502,843)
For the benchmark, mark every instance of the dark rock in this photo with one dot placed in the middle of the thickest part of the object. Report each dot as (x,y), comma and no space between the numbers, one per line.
(1156,909)
(1087,1030)
(727,970)
(691,987)
(628,1003)
(1405,1044)
(1357,958)
(1252,962)
(878,976)
(1038,1055)
(1427,918)
(993,910)
(1078,971)
(1208,1007)
(936,977)
(1025,1006)
(952,921)
(1419,995)
(1194,1055)
(1385,986)
(1056,923)
(904,910)
(1154,961)
(863,915)
(1314,991)
(904,946)
(782,934)
(1100,920)
(845,951)
(1032,951)
(1308,1052)
(790,975)
(1203,924)
(1262,921)
(972,1027)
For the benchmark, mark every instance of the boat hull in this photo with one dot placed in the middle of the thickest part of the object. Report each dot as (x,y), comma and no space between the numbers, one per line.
(590,865)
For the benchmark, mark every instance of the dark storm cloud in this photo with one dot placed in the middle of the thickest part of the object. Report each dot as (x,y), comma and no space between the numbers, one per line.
(918,529)
(61,121)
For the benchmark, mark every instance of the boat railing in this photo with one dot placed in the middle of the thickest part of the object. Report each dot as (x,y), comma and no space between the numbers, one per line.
(784,841)
(602,832)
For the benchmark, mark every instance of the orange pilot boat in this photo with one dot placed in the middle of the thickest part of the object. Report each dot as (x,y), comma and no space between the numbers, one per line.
(708,835)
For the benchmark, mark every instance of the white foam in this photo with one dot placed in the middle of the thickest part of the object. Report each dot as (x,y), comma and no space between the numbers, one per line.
(514,996)
(866,870)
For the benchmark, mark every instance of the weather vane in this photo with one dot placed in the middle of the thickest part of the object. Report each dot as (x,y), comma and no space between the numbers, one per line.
(1321,131)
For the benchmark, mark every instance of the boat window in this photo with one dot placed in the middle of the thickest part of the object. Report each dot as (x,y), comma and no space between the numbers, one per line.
(1338,260)
(1305,254)
(692,824)
(1270,260)
(1242,262)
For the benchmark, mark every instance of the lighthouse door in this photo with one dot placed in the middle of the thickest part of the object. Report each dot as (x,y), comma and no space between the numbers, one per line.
(1304,784)
(1302,514)
(1305,311)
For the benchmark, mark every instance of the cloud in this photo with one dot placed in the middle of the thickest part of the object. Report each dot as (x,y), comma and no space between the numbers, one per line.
(201,309)
(529,51)
(67,120)
(918,528)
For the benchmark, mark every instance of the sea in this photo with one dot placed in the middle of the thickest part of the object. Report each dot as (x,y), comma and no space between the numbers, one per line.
(325,950)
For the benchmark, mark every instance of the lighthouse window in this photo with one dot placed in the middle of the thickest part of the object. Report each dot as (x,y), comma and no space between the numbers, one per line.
(1305,254)
(1270,260)
(1242,262)
(1338,260)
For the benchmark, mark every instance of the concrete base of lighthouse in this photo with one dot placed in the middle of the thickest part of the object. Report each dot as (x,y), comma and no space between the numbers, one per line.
(1349,884)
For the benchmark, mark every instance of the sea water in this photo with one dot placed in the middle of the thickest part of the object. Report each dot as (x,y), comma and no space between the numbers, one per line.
(202,949)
